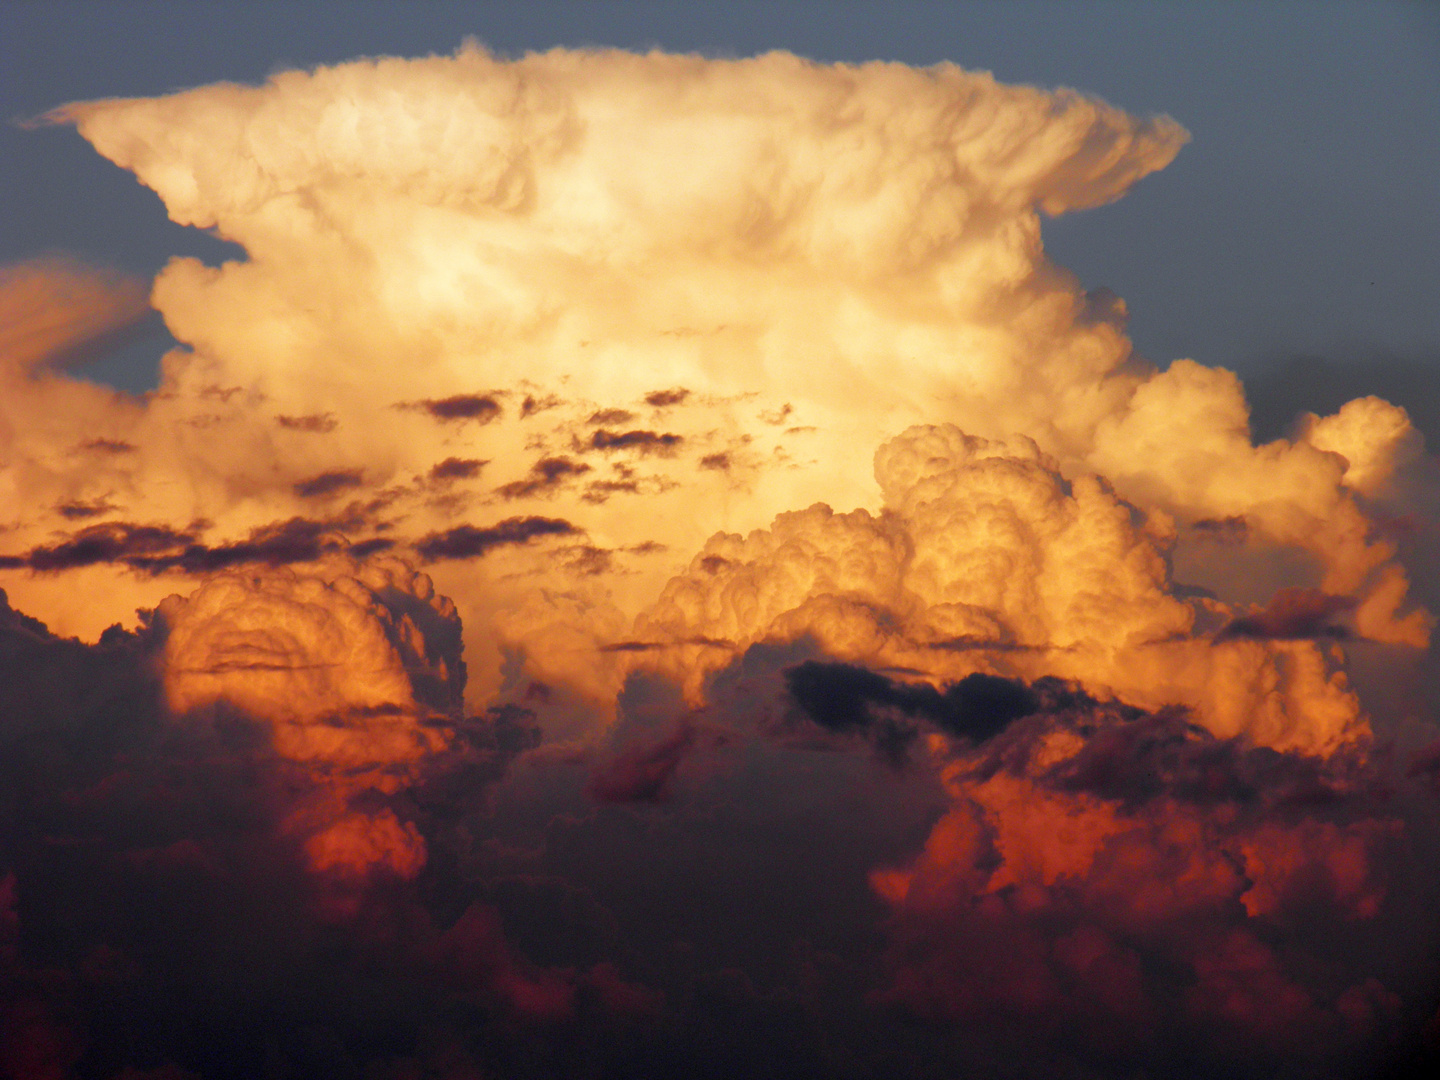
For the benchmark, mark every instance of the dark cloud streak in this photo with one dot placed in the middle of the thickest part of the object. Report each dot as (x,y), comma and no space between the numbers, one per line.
(1292,614)
(157,549)
(328,483)
(480,407)
(470,542)
(847,699)
(454,468)
(644,441)
(545,476)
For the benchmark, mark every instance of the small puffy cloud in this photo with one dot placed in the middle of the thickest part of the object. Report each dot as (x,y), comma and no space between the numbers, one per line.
(663,399)
(454,468)
(480,407)
(1375,439)
(319,423)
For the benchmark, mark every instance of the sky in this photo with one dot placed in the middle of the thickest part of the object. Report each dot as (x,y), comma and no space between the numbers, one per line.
(614,539)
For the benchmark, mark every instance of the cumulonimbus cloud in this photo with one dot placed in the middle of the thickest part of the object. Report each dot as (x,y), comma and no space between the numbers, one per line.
(784,490)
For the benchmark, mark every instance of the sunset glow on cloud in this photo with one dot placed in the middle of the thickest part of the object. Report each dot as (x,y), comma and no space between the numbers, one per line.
(646,568)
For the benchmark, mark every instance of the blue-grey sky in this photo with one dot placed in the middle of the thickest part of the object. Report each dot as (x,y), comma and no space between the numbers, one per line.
(1303,220)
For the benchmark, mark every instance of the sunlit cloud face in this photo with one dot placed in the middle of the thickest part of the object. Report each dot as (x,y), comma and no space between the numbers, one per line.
(601,459)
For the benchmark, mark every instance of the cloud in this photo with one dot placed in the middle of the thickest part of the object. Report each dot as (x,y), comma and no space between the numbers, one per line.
(1282,389)
(644,441)
(470,542)
(806,452)
(295,540)
(321,423)
(523,234)
(374,642)
(532,405)
(57,313)
(105,543)
(328,483)
(545,475)
(610,416)
(109,446)
(156,549)
(1071,862)
(453,468)
(987,560)
(1099,884)
(462,407)
(1292,613)
(171,837)
(845,698)
(643,774)
(76,511)
(661,399)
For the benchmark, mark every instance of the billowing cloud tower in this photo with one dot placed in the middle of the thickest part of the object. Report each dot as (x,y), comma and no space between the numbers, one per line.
(770,485)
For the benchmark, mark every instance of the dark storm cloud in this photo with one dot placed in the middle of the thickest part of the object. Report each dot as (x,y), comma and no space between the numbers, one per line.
(845,698)
(1141,944)
(1131,757)
(545,476)
(158,918)
(164,915)
(470,542)
(1294,613)
(327,483)
(1425,764)
(643,774)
